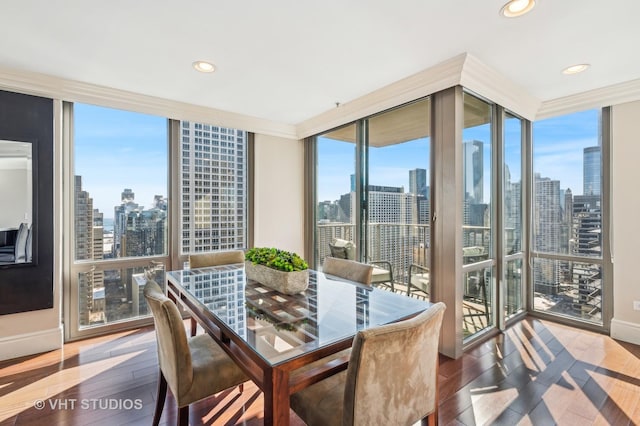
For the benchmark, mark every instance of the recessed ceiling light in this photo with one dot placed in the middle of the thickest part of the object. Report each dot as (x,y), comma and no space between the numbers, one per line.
(204,66)
(575,69)
(515,8)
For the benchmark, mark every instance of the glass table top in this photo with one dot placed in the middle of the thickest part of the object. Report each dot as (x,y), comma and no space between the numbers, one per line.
(280,327)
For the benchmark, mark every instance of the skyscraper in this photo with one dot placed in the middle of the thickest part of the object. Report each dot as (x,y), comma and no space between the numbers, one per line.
(472,164)
(122,221)
(548,232)
(592,170)
(418,182)
(213,188)
(89,245)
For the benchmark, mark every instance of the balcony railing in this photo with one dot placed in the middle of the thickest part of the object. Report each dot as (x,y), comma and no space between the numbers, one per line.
(399,244)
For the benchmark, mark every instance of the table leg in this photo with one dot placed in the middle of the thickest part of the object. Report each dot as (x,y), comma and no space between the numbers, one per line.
(276,397)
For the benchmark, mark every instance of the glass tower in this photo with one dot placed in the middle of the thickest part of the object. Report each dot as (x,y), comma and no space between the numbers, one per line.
(592,170)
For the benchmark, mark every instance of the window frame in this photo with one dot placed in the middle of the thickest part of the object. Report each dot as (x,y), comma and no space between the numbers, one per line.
(605,261)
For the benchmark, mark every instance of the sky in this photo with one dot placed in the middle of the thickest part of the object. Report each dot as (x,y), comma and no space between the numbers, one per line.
(558,154)
(117,149)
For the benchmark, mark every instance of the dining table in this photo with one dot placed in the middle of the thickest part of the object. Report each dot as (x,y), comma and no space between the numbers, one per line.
(285,342)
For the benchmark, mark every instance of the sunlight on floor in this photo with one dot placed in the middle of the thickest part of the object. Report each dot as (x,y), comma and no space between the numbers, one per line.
(39,391)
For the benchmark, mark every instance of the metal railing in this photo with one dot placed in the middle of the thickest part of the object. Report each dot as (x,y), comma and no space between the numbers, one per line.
(401,244)
(397,243)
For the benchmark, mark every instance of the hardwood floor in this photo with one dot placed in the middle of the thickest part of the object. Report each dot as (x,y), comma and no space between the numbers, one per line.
(537,373)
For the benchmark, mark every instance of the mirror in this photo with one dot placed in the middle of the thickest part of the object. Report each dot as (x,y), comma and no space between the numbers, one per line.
(16,193)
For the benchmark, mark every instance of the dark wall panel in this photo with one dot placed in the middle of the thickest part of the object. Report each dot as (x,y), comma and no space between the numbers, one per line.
(29,287)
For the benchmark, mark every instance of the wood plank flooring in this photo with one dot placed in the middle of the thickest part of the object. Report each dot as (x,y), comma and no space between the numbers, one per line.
(536,373)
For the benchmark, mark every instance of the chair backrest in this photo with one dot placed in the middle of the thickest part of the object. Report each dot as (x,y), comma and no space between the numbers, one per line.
(29,246)
(348,269)
(392,373)
(342,249)
(21,243)
(174,354)
(216,258)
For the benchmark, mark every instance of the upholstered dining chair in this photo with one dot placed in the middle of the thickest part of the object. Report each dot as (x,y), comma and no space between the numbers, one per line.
(193,368)
(216,258)
(391,378)
(348,269)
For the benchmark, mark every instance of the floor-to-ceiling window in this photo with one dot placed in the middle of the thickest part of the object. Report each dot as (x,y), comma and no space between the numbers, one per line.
(398,192)
(336,194)
(372,192)
(568,231)
(474,209)
(512,215)
(120,211)
(118,218)
(478,216)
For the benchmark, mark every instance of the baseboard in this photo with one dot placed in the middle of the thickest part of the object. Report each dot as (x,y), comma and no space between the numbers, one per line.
(625,331)
(31,343)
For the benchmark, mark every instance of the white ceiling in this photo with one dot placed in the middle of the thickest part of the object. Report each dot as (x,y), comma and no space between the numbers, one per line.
(290,60)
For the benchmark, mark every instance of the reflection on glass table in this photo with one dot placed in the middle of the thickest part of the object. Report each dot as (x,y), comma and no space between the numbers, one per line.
(280,326)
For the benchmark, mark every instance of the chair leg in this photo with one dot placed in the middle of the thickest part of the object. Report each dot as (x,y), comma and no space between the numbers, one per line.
(194,326)
(430,420)
(162,394)
(183,416)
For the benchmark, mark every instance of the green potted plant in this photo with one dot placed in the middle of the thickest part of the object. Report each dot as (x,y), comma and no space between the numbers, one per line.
(281,270)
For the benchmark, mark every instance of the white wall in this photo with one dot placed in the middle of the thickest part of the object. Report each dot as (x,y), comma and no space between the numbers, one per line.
(626,211)
(16,197)
(279,193)
(31,332)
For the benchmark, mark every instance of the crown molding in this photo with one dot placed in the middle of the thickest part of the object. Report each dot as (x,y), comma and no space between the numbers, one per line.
(615,94)
(439,77)
(463,69)
(37,84)
(489,83)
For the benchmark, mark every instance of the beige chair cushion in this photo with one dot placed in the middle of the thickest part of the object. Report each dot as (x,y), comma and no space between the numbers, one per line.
(194,368)
(391,378)
(216,258)
(348,269)
(421,281)
(380,275)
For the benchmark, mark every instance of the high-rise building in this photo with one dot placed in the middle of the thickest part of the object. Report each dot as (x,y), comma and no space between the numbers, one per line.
(592,170)
(418,182)
(394,232)
(587,241)
(89,246)
(473,164)
(122,221)
(548,223)
(512,213)
(145,233)
(587,225)
(213,188)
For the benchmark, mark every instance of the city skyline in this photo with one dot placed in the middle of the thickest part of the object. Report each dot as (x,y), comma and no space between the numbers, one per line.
(116,149)
(389,165)
(212,189)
